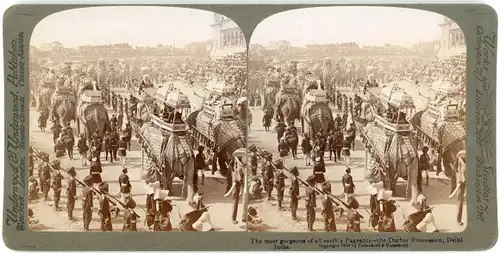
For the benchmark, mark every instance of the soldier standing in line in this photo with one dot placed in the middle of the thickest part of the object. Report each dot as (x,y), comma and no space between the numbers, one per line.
(129,216)
(254,162)
(45,177)
(71,193)
(294,193)
(56,186)
(104,208)
(327,211)
(348,184)
(114,143)
(120,106)
(280,187)
(353,217)
(107,146)
(125,185)
(310,203)
(120,120)
(268,177)
(87,202)
(122,149)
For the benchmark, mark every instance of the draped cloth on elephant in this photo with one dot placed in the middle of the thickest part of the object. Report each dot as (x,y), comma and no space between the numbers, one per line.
(93,116)
(281,97)
(445,132)
(176,154)
(152,140)
(395,150)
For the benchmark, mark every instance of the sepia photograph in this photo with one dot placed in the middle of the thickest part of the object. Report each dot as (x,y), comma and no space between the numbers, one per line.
(358,121)
(137,121)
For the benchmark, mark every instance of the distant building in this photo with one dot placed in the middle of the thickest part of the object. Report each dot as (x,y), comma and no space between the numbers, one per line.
(282,46)
(49,47)
(452,40)
(227,37)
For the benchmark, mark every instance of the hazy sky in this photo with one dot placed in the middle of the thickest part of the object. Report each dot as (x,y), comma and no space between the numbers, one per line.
(363,25)
(136,25)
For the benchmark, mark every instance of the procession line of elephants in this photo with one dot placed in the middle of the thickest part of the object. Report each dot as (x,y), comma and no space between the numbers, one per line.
(446,137)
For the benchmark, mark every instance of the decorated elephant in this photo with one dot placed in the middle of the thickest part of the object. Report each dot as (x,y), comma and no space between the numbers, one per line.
(64,106)
(228,135)
(316,117)
(446,136)
(94,117)
(390,156)
(45,90)
(271,87)
(288,107)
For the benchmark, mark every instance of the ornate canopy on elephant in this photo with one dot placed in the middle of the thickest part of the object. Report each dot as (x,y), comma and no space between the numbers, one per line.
(390,155)
(393,95)
(172,97)
(220,88)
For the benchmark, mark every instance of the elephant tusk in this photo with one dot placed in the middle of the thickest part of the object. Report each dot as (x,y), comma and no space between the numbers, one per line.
(233,186)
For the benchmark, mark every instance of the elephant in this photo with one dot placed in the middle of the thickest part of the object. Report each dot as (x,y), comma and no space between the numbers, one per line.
(288,108)
(94,117)
(316,116)
(270,92)
(64,111)
(43,97)
(393,156)
(177,159)
(446,136)
(228,135)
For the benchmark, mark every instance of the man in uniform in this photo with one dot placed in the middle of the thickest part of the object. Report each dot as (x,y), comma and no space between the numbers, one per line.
(200,166)
(125,185)
(129,216)
(306,149)
(45,177)
(120,120)
(87,202)
(83,149)
(353,217)
(95,171)
(338,138)
(122,149)
(319,170)
(113,122)
(254,162)
(104,208)
(114,143)
(108,147)
(71,193)
(280,129)
(69,143)
(56,131)
(59,148)
(348,184)
(294,193)
(280,187)
(268,177)
(310,203)
(328,212)
(127,132)
(56,186)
